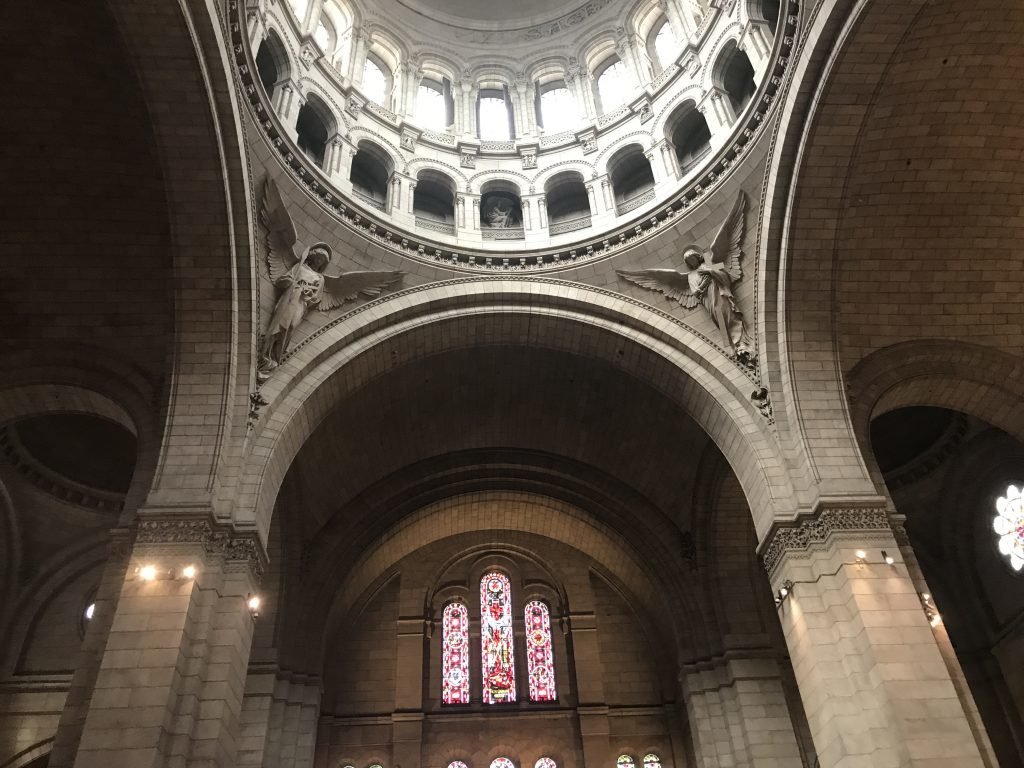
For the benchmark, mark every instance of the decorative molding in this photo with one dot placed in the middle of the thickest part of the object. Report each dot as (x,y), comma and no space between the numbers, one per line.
(800,536)
(221,540)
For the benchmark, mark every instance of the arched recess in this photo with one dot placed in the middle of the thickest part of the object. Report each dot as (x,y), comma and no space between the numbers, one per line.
(196,126)
(386,334)
(830,227)
(315,125)
(510,513)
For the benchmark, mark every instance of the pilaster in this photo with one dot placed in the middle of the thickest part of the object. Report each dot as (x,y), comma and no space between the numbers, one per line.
(171,679)
(875,687)
(279,719)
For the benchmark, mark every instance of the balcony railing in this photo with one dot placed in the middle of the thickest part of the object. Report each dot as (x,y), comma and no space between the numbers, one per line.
(503,233)
(370,201)
(444,227)
(635,202)
(572,225)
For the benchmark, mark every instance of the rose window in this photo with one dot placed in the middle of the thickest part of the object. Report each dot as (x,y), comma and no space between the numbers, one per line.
(1009,525)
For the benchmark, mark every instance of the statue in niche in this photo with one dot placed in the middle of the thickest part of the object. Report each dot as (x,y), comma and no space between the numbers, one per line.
(707,277)
(302,281)
(501,216)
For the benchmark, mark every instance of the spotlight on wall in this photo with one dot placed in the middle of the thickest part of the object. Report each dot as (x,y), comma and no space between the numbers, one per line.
(889,559)
(147,572)
(90,611)
(252,602)
(861,554)
(189,571)
(783,593)
(934,617)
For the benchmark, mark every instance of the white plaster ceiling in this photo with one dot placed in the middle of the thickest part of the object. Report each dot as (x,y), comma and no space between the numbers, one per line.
(491,14)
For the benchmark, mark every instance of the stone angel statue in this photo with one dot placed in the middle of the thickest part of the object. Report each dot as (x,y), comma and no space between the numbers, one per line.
(707,277)
(301,279)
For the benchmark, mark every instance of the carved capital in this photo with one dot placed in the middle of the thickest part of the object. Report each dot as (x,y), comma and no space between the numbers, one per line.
(802,535)
(215,539)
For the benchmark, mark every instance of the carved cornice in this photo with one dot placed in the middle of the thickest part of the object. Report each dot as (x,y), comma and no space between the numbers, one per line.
(221,540)
(804,534)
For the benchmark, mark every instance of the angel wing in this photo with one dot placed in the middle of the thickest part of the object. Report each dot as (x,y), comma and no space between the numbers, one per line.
(727,248)
(281,238)
(671,282)
(349,285)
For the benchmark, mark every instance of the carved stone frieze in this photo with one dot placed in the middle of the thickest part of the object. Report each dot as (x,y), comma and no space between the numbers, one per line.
(215,539)
(801,536)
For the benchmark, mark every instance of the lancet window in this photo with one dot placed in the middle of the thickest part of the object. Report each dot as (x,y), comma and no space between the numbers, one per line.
(497,651)
(540,663)
(455,651)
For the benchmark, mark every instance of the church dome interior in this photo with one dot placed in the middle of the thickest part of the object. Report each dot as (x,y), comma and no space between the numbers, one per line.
(447,384)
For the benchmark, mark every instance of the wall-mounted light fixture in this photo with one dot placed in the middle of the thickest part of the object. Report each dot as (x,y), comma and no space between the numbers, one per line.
(783,593)
(253,602)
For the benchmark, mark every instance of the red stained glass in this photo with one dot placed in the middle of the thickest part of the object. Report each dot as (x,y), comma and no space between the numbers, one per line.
(496,641)
(540,661)
(455,654)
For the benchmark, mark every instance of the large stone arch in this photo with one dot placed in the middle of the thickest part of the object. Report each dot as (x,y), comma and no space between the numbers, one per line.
(198,131)
(350,352)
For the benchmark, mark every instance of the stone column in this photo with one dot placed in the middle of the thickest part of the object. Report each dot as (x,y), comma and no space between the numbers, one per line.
(170,684)
(583,90)
(279,719)
(675,20)
(312,20)
(657,167)
(593,710)
(739,716)
(668,159)
(607,195)
(756,42)
(412,196)
(542,211)
(287,104)
(527,215)
(407,720)
(476,213)
(875,687)
(90,656)
(592,197)
(460,212)
(530,100)
(626,48)
(358,58)
(472,96)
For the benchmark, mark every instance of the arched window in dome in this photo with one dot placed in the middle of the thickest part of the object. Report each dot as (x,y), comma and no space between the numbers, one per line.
(545,762)
(496,643)
(457,764)
(625,761)
(690,136)
(314,126)
(323,36)
(632,178)
(431,105)
(502,762)
(272,65)
(735,75)
(494,119)
(666,47)
(568,204)
(455,657)
(651,760)
(612,85)
(557,110)
(376,83)
(371,171)
(540,658)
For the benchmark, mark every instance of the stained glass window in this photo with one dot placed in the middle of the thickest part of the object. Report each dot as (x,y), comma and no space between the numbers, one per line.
(540,662)
(455,654)
(652,761)
(625,761)
(457,764)
(496,652)
(1009,526)
(502,762)
(545,762)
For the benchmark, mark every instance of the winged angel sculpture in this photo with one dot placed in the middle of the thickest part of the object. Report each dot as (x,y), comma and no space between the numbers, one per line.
(302,280)
(708,278)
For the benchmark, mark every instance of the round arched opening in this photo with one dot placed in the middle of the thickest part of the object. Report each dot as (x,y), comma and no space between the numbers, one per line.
(272,64)
(314,126)
(735,76)
(766,11)
(371,172)
(568,204)
(501,211)
(690,136)
(632,178)
(433,202)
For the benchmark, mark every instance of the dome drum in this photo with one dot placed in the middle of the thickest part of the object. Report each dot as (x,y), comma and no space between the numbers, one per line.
(728,72)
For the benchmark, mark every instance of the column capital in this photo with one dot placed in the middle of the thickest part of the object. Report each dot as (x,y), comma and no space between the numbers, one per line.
(801,535)
(214,538)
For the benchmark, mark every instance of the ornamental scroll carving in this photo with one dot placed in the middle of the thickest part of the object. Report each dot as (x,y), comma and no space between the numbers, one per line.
(801,536)
(215,539)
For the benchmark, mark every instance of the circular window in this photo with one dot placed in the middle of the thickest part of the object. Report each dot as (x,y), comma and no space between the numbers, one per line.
(1009,526)
(545,762)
